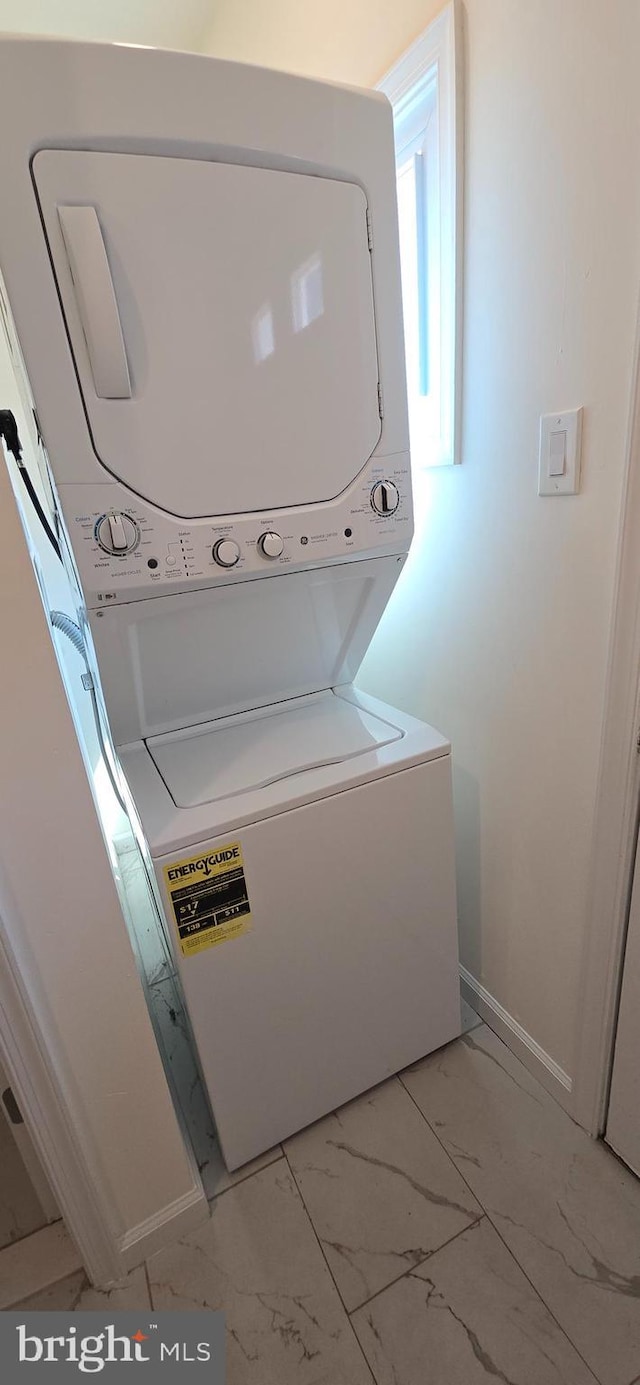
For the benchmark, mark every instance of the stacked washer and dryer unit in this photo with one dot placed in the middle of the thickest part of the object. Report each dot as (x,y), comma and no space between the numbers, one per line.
(202,263)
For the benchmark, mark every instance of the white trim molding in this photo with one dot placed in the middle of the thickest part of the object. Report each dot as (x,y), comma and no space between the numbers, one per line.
(436,60)
(36,1262)
(24,1145)
(76,1037)
(616,816)
(169,1224)
(107,1252)
(528,1050)
(40,1103)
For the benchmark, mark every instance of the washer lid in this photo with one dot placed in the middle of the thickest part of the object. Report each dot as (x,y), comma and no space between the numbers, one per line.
(221,320)
(222,759)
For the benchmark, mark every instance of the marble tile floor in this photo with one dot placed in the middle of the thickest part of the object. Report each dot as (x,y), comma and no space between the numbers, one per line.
(450,1227)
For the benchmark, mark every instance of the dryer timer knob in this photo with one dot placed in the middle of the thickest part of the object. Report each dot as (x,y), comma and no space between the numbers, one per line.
(117,533)
(385,498)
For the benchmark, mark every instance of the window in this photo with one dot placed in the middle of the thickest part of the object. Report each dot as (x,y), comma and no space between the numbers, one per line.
(424,88)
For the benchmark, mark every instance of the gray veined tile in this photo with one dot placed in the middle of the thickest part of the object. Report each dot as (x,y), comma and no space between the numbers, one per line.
(379,1189)
(569,1212)
(258,1260)
(74,1294)
(217,1179)
(467,1316)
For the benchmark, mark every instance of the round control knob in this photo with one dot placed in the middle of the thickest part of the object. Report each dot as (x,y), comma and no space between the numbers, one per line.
(385,498)
(117,533)
(271,545)
(225,552)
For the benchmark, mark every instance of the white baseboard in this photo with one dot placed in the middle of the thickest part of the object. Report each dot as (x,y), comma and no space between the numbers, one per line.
(528,1050)
(170,1224)
(36,1262)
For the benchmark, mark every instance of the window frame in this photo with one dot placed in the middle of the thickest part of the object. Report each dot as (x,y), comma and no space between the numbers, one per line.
(435,60)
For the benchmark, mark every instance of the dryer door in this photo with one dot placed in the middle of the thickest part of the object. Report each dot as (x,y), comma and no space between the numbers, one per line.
(222,324)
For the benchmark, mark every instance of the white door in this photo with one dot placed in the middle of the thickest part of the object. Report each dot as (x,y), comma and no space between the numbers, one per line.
(623,1119)
(221,319)
(26,1199)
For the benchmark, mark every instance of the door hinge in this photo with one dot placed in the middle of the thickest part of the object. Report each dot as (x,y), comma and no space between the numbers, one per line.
(369,231)
(638,743)
(380,401)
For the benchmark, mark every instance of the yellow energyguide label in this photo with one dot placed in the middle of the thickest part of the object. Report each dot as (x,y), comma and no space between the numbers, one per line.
(209,898)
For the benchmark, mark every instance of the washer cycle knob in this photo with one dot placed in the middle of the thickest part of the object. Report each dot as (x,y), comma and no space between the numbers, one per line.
(225,553)
(271,545)
(117,533)
(385,498)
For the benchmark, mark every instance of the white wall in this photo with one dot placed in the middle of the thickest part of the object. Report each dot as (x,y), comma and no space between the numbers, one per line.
(499,631)
(163,23)
(343,40)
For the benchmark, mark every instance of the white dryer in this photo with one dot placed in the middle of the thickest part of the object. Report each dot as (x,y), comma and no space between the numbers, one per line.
(202,263)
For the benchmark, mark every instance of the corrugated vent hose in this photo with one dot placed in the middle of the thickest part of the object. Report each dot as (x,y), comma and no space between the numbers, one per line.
(68,627)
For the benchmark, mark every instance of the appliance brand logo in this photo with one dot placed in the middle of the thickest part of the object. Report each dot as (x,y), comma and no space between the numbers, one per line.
(57,1345)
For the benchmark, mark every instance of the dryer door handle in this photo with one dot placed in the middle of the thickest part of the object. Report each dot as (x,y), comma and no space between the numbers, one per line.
(96,300)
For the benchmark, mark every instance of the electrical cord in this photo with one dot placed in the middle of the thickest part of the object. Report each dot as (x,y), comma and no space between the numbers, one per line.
(9,432)
(59,620)
(11,437)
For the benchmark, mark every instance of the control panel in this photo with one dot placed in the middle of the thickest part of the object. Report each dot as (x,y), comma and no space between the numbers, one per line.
(127,549)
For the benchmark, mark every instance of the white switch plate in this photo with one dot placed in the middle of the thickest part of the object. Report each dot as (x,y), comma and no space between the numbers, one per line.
(552,447)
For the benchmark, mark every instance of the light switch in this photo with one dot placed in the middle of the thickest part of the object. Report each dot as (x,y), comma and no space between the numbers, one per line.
(557,453)
(559,460)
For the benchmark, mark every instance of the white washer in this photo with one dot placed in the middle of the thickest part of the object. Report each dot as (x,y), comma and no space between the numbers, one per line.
(347,970)
(202,263)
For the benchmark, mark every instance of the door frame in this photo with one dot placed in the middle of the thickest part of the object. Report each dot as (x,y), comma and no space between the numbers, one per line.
(616,809)
(25,1149)
(76,1039)
(23,1055)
